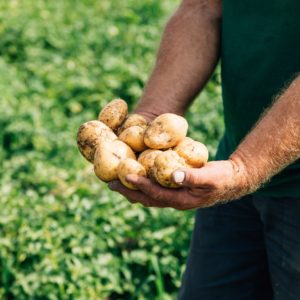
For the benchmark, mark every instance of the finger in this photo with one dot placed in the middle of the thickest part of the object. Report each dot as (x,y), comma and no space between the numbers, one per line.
(181,199)
(162,196)
(132,195)
(192,177)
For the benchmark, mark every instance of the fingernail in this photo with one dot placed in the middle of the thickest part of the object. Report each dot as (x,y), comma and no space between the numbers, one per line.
(132,177)
(179,176)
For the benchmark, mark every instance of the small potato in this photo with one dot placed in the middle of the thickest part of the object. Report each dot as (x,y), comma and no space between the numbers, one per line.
(107,158)
(133,120)
(166,131)
(194,153)
(164,165)
(114,113)
(130,166)
(91,134)
(134,137)
(146,159)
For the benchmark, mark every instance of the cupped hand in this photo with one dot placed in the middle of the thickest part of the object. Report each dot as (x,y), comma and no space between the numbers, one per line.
(217,181)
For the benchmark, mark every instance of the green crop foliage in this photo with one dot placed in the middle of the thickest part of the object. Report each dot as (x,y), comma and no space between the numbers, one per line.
(63,234)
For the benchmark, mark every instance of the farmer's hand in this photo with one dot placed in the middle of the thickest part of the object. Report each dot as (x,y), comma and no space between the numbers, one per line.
(217,181)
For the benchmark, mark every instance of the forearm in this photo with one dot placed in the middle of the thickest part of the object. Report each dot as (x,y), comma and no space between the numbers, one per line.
(274,142)
(187,56)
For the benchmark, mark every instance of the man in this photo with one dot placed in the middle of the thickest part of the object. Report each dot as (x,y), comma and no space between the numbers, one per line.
(247,248)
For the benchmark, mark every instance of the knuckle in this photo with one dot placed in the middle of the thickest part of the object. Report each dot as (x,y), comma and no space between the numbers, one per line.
(192,179)
(179,204)
(132,201)
(180,207)
(159,195)
(146,204)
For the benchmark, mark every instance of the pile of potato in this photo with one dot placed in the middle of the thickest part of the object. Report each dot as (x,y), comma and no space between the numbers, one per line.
(119,144)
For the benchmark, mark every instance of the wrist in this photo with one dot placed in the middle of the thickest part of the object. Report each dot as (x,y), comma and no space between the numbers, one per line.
(147,114)
(150,113)
(244,175)
(151,106)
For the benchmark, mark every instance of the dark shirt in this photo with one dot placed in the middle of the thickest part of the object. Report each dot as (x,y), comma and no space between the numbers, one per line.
(260,57)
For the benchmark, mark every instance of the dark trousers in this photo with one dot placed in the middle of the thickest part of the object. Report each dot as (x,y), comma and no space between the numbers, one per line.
(245,250)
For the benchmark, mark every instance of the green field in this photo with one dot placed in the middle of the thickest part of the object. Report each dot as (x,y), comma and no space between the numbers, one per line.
(63,234)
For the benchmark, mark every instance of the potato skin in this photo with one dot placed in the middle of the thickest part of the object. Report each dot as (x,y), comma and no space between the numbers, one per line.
(164,165)
(114,113)
(90,135)
(147,158)
(194,153)
(165,131)
(130,166)
(107,158)
(133,120)
(134,137)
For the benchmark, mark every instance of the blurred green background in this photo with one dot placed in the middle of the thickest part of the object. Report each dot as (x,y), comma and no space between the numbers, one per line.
(63,234)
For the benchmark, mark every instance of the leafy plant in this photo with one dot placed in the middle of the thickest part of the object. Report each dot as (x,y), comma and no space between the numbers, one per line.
(63,234)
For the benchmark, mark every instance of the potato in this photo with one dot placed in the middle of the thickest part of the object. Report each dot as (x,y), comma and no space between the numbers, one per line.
(89,135)
(114,113)
(134,137)
(164,165)
(107,158)
(194,153)
(146,159)
(166,131)
(130,166)
(133,120)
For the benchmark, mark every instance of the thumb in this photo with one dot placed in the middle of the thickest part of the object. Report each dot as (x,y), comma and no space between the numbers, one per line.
(190,177)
